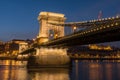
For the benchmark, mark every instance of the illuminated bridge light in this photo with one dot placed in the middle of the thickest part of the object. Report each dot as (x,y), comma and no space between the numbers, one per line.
(116,23)
(83,32)
(109,18)
(113,17)
(100,27)
(94,29)
(88,31)
(117,16)
(97,28)
(105,27)
(108,26)
(106,19)
(112,24)
(99,19)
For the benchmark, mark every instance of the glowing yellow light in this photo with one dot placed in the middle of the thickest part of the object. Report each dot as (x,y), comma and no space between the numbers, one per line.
(74,28)
(113,17)
(109,18)
(91,30)
(117,16)
(100,27)
(97,28)
(98,47)
(100,19)
(88,31)
(108,26)
(104,27)
(51,35)
(116,23)
(105,18)
(112,24)
(94,29)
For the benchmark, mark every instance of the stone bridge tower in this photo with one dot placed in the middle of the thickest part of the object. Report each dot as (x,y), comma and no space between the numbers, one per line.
(48,30)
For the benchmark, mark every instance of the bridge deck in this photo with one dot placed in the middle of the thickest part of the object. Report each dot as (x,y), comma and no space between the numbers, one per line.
(97,34)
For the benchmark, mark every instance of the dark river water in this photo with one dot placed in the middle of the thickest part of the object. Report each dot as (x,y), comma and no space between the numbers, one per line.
(80,70)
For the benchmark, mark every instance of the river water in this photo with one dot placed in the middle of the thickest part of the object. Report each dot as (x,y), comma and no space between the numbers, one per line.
(80,70)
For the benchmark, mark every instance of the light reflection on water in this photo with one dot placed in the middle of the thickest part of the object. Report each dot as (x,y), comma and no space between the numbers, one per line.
(50,74)
(81,70)
(13,70)
(95,70)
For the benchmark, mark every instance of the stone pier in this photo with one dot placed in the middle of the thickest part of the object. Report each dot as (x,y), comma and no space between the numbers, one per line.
(49,57)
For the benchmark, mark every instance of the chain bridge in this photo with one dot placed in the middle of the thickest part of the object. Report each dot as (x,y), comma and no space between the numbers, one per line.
(96,31)
(51,35)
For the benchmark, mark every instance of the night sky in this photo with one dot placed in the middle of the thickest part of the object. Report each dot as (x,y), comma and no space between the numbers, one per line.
(18,18)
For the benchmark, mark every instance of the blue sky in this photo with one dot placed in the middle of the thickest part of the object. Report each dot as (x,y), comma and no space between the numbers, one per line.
(18,18)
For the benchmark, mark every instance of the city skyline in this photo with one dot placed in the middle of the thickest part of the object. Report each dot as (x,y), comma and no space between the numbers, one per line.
(19,18)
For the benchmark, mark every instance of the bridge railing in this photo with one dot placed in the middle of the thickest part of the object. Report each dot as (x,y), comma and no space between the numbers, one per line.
(91,24)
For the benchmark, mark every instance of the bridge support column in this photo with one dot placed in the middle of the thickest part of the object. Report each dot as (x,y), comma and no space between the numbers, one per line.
(49,57)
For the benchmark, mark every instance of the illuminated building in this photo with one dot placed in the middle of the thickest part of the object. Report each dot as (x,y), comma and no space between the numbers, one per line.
(99,47)
(15,46)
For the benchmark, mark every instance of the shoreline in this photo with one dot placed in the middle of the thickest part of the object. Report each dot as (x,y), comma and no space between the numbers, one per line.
(12,58)
(95,58)
(25,59)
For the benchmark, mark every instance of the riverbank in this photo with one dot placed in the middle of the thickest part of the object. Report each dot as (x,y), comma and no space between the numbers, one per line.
(95,58)
(25,59)
(12,58)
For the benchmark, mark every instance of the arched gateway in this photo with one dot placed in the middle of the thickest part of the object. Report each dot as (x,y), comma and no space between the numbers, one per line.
(47,30)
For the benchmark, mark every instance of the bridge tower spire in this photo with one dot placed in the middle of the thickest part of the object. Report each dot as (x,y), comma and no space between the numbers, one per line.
(45,18)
